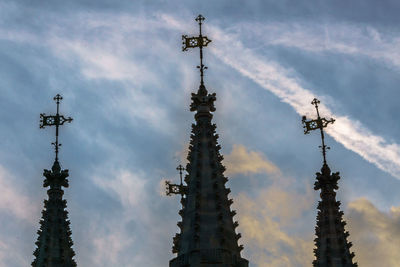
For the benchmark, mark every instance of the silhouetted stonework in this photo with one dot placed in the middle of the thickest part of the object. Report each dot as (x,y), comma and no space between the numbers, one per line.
(332,248)
(208,236)
(54,244)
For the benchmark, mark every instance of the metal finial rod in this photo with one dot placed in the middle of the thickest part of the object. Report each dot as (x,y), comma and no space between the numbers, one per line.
(54,120)
(319,123)
(57,98)
(315,102)
(200,18)
(197,41)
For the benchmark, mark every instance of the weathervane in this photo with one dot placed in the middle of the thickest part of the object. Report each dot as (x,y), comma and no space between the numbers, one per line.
(54,120)
(197,41)
(319,123)
(177,189)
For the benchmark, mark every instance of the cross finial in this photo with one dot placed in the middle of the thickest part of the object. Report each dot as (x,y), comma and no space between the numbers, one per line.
(200,18)
(197,41)
(176,188)
(315,102)
(54,120)
(319,123)
(58,98)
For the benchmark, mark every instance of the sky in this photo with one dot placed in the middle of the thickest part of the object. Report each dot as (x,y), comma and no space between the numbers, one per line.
(127,85)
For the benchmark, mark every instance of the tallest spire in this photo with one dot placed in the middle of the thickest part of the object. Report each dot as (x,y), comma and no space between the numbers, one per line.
(207,231)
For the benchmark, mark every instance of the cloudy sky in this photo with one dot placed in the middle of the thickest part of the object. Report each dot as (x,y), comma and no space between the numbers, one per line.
(127,84)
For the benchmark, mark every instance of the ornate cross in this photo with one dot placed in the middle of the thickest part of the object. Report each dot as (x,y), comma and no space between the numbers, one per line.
(177,189)
(319,123)
(197,41)
(54,120)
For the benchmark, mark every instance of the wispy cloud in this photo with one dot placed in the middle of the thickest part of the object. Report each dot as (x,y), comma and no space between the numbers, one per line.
(125,186)
(375,234)
(244,161)
(265,225)
(107,58)
(284,84)
(128,189)
(343,38)
(11,252)
(21,212)
(13,200)
(109,50)
(109,246)
(135,228)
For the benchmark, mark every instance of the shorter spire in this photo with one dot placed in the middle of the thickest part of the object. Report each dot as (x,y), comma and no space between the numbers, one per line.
(319,123)
(332,246)
(54,244)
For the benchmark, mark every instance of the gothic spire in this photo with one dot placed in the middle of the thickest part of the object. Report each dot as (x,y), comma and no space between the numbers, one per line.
(332,247)
(54,244)
(207,231)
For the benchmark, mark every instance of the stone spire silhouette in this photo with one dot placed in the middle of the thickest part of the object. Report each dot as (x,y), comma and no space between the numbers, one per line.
(54,244)
(207,231)
(332,248)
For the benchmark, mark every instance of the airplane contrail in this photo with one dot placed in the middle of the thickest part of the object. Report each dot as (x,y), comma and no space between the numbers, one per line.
(278,80)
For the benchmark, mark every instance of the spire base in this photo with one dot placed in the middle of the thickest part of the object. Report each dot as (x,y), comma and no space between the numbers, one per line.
(208,258)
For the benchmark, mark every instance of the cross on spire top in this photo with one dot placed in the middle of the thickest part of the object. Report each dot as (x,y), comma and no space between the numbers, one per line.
(197,41)
(54,120)
(58,98)
(319,123)
(200,18)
